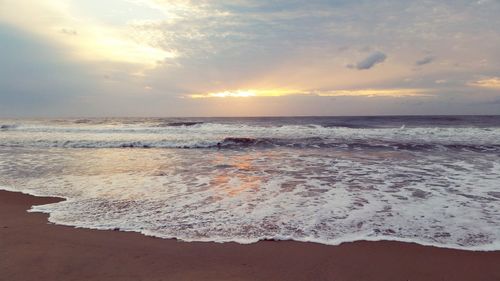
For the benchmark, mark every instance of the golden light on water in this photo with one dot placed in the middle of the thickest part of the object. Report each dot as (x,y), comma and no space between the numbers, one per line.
(228,182)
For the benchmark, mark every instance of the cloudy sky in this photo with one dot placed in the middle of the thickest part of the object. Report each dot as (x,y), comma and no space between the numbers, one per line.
(244,57)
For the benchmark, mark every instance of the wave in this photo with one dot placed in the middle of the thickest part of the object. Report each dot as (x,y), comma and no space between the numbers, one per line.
(70,208)
(217,135)
(179,124)
(5,127)
(244,143)
(236,182)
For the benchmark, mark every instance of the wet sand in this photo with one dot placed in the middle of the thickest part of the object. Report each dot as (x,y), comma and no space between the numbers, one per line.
(33,249)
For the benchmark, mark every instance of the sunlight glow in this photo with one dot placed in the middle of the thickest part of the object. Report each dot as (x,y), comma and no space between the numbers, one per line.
(491,83)
(87,38)
(320,93)
(247,93)
(113,46)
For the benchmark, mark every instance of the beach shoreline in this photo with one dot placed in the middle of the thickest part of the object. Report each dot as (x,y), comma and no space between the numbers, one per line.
(31,248)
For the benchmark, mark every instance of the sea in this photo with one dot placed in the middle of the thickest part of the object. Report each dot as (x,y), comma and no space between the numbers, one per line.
(431,180)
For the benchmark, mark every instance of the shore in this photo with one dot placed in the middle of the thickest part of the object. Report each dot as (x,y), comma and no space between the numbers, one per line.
(33,249)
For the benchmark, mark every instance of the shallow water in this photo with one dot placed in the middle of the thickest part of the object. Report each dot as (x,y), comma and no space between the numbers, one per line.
(430,180)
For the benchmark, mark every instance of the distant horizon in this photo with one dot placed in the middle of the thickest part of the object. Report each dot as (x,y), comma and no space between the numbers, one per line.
(282,116)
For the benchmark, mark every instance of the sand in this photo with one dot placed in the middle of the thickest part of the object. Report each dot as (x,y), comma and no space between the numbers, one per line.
(33,249)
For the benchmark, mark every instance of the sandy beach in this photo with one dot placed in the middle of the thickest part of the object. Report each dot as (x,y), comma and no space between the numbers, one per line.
(33,249)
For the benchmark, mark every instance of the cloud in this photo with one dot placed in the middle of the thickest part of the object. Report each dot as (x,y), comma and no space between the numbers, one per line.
(69,31)
(425,60)
(374,93)
(217,49)
(95,40)
(490,83)
(370,61)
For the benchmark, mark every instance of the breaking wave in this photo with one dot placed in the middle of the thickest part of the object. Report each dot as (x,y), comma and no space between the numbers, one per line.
(214,135)
(429,180)
(5,127)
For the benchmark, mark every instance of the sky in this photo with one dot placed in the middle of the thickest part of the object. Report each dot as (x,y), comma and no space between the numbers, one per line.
(69,58)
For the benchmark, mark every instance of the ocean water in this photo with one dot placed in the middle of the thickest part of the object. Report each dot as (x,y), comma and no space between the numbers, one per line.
(431,180)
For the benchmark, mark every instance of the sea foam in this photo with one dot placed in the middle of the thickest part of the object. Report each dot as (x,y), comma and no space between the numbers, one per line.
(327,196)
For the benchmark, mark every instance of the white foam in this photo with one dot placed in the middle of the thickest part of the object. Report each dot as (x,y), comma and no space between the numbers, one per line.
(209,134)
(447,199)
